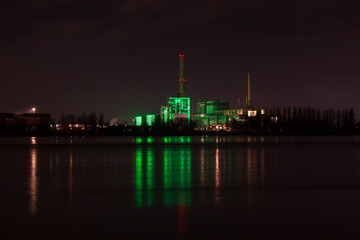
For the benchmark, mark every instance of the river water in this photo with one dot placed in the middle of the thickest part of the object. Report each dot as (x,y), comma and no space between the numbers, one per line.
(227,187)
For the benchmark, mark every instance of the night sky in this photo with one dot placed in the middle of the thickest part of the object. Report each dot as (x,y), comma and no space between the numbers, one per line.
(121,57)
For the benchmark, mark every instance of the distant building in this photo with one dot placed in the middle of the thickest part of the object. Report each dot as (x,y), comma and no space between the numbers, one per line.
(207,107)
(209,113)
(148,120)
(177,110)
(25,124)
(217,114)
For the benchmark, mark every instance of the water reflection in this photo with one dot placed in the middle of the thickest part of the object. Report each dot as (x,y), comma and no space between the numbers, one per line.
(255,166)
(171,169)
(33,181)
(150,176)
(181,139)
(70,180)
(255,170)
(262,166)
(144,176)
(138,177)
(163,140)
(217,176)
(177,176)
(251,166)
(202,167)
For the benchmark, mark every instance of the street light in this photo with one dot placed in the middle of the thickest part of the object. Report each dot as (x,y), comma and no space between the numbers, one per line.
(33,110)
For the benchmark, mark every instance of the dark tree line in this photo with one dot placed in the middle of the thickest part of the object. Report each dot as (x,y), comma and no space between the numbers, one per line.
(90,120)
(79,125)
(309,120)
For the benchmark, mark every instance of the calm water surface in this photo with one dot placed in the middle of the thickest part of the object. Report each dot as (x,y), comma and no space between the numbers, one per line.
(180,188)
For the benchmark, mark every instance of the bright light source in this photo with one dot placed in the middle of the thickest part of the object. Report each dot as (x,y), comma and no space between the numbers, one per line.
(251,113)
(33,110)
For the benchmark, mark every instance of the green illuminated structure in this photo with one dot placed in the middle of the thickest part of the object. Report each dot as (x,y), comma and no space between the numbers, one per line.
(150,119)
(207,107)
(147,120)
(138,121)
(179,107)
(164,115)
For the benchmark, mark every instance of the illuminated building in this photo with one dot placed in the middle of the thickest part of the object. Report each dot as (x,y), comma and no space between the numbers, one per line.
(148,120)
(178,108)
(206,107)
(164,115)
(210,113)
(138,121)
(216,114)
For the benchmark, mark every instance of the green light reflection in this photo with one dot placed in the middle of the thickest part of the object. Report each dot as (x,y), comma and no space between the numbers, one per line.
(150,140)
(176,173)
(139,201)
(150,177)
(177,177)
(144,177)
(181,139)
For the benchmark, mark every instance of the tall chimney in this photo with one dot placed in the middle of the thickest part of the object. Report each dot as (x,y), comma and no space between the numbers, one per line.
(249,92)
(182,79)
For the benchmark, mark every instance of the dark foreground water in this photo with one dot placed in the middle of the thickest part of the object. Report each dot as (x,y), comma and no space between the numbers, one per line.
(180,188)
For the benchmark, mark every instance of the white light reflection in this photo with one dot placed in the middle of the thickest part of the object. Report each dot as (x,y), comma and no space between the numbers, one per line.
(51,163)
(70,178)
(251,166)
(262,163)
(33,182)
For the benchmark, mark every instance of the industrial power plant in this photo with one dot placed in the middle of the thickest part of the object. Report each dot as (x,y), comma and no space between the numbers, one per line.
(210,114)
(180,116)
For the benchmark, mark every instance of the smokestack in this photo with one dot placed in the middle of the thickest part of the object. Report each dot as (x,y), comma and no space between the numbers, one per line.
(249,92)
(182,79)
